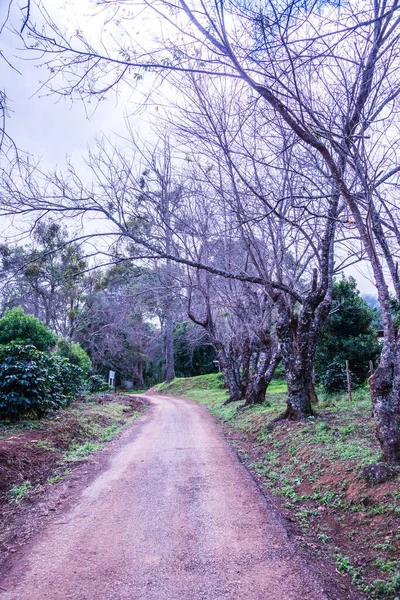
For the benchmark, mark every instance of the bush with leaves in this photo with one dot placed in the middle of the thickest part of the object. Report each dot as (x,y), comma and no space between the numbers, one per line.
(34,382)
(97,383)
(69,380)
(75,354)
(19,328)
(28,382)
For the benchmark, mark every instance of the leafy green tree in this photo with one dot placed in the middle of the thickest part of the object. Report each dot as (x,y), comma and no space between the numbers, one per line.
(75,354)
(19,328)
(46,278)
(194,354)
(348,334)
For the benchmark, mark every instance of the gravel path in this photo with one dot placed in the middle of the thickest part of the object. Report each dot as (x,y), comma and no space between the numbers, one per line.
(173,516)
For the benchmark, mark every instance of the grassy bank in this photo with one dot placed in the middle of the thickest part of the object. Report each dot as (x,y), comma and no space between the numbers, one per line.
(311,473)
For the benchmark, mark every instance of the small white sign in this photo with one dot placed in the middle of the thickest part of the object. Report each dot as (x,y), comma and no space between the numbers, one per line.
(111,378)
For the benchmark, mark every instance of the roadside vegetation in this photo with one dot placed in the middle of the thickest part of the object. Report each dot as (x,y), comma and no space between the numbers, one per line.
(312,471)
(34,453)
(53,416)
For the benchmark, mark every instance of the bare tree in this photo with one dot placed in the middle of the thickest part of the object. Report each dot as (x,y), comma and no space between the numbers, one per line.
(8,146)
(276,199)
(238,319)
(297,61)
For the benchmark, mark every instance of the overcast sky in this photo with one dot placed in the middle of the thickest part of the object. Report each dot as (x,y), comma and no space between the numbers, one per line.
(51,128)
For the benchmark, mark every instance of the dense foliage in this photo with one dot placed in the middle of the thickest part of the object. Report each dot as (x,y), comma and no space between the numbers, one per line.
(74,353)
(193,355)
(20,328)
(349,335)
(34,382)
(97,383)
(28,382)
(70,379)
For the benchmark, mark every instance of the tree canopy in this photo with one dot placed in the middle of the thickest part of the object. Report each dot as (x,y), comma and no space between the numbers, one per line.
(348,334)
(20,328)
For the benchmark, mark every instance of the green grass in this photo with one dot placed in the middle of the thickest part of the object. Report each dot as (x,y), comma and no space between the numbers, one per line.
(18,493)
(78,452)
(57,478)
(194,388)
(45,445)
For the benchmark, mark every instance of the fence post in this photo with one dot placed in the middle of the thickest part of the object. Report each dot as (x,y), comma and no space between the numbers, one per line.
(371,367)
(348,380)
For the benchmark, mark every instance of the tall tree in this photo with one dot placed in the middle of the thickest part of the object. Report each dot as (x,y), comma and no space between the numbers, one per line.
(46,278)
(348,334)
(295,60)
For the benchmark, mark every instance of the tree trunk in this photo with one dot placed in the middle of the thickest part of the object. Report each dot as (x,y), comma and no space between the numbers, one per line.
(169,346)
(139,365)
(299,400)
(256,390)
(385,394)
(228,371)
(313,394)
(298,367)
(235,391)
(169,308)
(259,382)
(385,382)
(298,336)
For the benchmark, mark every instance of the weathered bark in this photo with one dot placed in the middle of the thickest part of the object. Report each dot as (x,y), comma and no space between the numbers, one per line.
(228,370)
(299,400)
(386,421)
(298,368)
(169,346)
(385,388)
(298,338)
(387,408)
(261,378)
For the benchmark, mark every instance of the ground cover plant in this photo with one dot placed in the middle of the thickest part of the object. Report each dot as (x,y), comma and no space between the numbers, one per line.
(312,472)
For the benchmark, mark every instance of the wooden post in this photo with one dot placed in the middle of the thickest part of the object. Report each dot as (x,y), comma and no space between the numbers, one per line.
(371,367)
(348,380)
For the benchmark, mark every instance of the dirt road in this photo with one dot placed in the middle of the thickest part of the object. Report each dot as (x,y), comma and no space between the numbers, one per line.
(173,516)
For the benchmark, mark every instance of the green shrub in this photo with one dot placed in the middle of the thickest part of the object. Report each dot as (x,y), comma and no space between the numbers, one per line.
(69,380)
(334,379)
(348,334)
(33,382)
(28,382)
(97,383)
(19,328)
(75,354)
